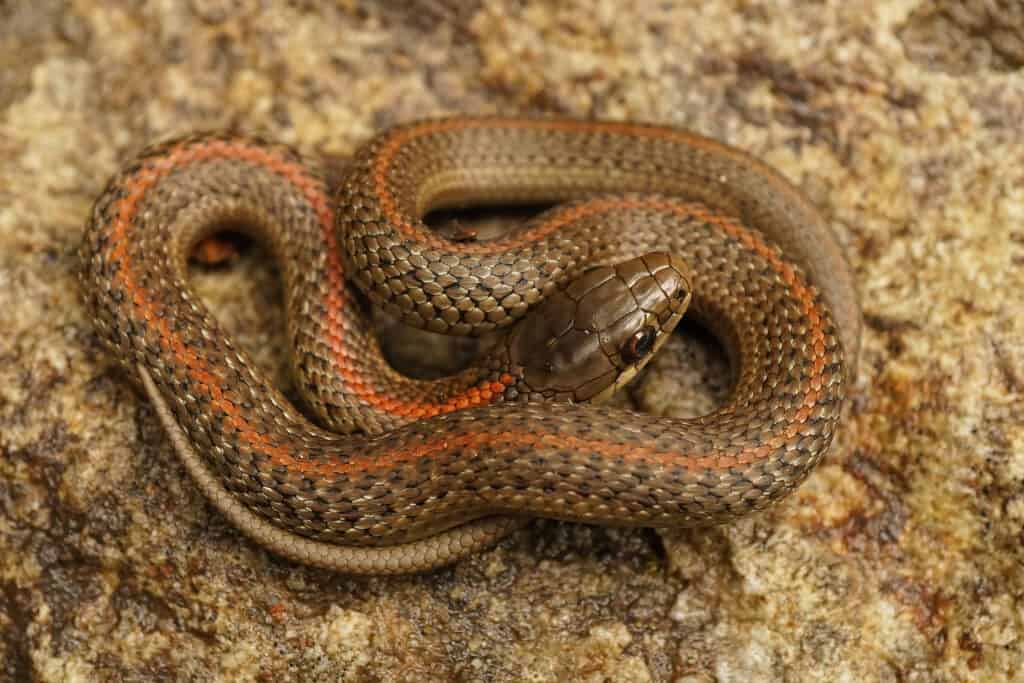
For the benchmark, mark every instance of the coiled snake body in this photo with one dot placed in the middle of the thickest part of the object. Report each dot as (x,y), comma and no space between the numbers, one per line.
(589,290)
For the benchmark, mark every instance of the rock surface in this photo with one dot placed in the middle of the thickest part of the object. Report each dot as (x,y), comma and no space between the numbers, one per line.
(901,559)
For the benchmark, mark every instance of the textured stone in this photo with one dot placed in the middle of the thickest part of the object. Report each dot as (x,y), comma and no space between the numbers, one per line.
(901,558)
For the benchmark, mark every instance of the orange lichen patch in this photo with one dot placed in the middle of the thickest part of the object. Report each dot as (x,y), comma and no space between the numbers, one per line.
(213,251)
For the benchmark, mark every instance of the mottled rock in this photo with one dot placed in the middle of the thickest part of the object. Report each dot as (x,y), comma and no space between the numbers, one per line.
(902,558)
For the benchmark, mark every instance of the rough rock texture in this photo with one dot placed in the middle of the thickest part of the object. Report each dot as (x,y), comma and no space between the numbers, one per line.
(901,559)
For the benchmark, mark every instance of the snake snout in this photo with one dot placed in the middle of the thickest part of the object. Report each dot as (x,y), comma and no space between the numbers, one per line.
(673,277)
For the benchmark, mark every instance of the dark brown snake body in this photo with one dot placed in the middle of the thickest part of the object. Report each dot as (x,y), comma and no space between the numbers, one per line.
(590,289)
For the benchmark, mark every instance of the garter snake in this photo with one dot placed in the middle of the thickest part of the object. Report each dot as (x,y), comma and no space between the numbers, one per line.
(404,475)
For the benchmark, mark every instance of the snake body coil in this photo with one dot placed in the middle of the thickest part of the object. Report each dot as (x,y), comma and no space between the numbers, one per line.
(441,469)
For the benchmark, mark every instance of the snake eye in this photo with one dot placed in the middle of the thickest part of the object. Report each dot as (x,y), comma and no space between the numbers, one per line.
(639,345)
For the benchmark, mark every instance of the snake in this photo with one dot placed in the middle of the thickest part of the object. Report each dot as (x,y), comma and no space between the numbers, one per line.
(384,474)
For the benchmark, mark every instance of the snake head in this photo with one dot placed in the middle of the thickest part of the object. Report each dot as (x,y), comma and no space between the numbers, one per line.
(588,339)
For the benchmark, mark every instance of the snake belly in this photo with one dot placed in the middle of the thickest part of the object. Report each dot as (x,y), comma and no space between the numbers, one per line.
(430,478)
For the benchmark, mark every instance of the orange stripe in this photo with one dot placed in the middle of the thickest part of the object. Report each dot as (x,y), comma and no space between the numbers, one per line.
(385,156)
(280,454)
(310,188)
(379,462)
